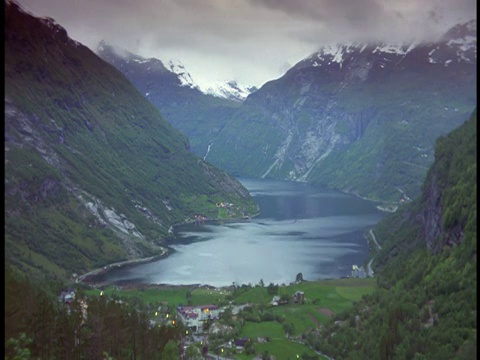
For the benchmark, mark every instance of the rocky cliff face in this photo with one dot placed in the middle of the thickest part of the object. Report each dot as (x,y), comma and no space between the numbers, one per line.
(449,193)
(351,116)
(432,218)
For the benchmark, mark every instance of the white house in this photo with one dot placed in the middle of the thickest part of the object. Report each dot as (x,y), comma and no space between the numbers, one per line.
(198,315)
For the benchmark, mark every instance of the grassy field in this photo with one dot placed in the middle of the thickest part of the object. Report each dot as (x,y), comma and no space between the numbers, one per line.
(323,299)
(171,296)
(270,329)
(284,349)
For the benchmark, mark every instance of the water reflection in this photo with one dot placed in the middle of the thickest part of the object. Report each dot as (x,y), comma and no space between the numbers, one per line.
(317,232)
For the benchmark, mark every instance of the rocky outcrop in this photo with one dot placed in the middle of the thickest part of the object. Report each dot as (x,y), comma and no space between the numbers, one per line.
(432,230)
(432,215)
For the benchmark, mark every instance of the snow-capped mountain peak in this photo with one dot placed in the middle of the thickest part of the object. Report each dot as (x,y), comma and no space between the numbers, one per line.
(231,90)
(339,53)
(184,76)
(461,40)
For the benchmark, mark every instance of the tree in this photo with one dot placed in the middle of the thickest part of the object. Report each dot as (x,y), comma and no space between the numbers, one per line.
(249,349)
(299,278)
(288,328)
(261,283)
(171,351)
(193,353)
(284,299)
(272,289)
(17,349)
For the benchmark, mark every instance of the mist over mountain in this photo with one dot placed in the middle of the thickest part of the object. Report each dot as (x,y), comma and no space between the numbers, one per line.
(355,117)
(197,114)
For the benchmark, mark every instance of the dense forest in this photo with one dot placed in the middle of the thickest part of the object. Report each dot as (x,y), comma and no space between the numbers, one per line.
(38,326)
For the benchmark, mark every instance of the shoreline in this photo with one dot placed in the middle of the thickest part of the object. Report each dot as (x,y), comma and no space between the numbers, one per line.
(88,278)
(162,286)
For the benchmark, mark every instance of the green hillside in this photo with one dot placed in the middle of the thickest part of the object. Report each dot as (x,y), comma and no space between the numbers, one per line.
(425,305)
(93,173)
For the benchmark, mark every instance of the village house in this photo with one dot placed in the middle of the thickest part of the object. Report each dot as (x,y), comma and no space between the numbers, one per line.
(67,296)
(240,343)
(195,316)
(358,272)
(275,300)
(299,297)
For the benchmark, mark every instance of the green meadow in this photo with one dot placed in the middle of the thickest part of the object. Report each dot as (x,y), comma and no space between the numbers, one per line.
(323,299)
(171,296)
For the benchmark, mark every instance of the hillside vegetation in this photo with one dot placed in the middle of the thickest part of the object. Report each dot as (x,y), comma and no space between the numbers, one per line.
(425,304)
(93,173)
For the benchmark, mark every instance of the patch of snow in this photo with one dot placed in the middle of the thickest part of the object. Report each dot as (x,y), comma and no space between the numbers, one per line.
(230,90)
(411,47)
(399,49)
(141,61)
(183,75)
(464,43)
(447,62)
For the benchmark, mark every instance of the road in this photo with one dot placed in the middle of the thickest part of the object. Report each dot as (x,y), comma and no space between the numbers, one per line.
(369,265)
(375,240)
(108,267)
(369,268)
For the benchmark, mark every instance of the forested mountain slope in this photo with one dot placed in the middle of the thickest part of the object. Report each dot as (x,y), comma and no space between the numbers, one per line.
(355,117)
(93,173)
(198,115)
(426,303)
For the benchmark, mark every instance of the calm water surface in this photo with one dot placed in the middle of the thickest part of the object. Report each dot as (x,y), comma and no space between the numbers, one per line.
(301,228)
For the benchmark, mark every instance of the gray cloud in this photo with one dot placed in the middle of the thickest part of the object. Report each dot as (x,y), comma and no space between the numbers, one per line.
(247,40)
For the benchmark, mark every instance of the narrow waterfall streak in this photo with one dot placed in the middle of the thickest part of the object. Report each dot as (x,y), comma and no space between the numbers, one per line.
(208,150)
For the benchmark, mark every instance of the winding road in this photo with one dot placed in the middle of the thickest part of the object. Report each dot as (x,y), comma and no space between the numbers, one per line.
(375,240)
(369,265)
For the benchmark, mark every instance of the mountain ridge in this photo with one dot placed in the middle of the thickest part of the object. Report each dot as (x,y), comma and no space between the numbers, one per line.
(93,173)
(340,111)
(352,103)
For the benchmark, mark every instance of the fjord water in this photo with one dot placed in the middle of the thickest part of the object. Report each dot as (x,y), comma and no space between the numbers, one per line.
(301,228)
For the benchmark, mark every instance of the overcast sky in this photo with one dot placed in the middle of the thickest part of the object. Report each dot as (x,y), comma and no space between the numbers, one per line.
(251,41)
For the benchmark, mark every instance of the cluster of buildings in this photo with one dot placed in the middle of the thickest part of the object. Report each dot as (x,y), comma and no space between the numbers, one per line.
(195,316)
(298,298)
(358,272)
(225,205)
(199,218)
